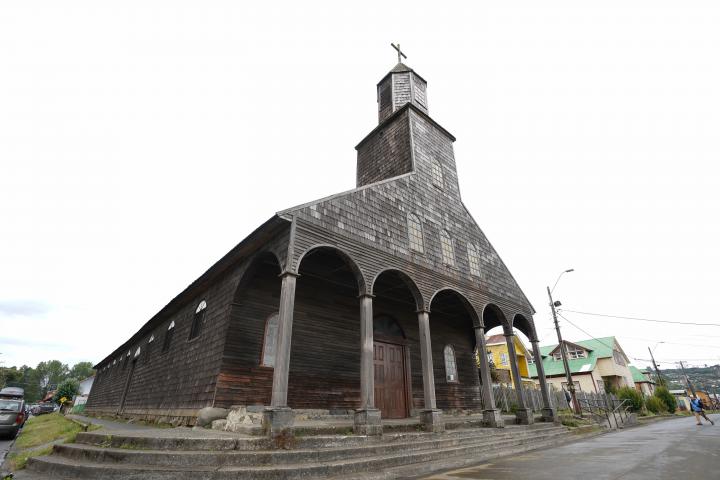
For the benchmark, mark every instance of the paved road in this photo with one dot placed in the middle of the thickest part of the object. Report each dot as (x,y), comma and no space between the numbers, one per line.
(669,449)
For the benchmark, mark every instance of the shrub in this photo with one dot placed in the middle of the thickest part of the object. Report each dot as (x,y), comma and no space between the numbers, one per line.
(67,389)
(634,399)
(667,398)
(655,405)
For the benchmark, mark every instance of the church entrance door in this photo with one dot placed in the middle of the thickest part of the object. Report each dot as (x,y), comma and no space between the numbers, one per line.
(390,392)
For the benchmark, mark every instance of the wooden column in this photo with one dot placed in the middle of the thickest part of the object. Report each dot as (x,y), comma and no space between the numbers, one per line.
(491,415)
(549,414)
(367,418)
(523,414)
(431,417)
(279,418)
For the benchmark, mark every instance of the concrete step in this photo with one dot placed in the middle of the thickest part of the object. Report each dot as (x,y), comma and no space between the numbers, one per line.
(63,467)
(127,440)
(94,454)
(431,466)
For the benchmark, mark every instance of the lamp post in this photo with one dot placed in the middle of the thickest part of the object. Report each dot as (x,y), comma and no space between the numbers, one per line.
(563,347)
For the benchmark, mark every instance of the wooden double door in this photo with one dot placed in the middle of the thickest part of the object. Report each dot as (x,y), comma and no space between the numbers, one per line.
(390,384)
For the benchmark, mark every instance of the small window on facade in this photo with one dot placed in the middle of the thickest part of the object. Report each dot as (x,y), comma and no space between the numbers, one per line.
(197,320)
(450,365)
(415,234)
(473,260)
(437,175)
(618,358)
(270,342)
(504,359)
(168,337)
(575,353)
(127,359)
(575,384)
(448,252)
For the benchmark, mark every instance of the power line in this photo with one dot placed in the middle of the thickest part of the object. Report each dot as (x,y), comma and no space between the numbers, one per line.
(644,319)
(586,333)
(672,343)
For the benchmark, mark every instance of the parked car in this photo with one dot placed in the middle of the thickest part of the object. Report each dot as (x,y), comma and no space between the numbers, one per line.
(12,412)
(41,408)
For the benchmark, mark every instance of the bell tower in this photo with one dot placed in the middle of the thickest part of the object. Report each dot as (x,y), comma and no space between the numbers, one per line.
(399,87)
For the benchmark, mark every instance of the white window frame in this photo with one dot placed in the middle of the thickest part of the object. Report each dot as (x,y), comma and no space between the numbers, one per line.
(451,375)
(447,248)
(270,335)
(473,260)
(438,179)
(415,233)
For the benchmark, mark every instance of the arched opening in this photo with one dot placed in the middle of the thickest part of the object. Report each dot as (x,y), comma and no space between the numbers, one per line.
(524,331)
(452,321)
(243,379)
(398,369)
(325,347)
(497,352)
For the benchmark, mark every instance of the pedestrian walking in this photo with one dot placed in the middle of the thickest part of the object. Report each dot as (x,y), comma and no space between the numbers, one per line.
(698,410)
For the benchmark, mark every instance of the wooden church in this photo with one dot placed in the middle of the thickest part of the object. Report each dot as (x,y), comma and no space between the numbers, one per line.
(372,301)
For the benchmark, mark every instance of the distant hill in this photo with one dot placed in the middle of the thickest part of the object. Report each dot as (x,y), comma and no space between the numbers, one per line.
(702,378)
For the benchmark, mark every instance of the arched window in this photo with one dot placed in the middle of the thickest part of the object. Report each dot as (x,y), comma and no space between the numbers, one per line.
(168,337)
(473,260)
(415,234)
(450,366)
(437,175)
(270,341)
(448,252)
(197,320)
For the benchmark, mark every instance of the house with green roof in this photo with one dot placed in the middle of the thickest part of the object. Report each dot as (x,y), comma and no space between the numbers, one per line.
(643,380)
(595,364)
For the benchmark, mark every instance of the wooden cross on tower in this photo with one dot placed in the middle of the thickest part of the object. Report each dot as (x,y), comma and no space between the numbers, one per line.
(400,53)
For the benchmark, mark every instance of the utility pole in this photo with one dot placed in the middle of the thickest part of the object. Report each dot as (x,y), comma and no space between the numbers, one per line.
(657,370)
(687,379)
(563,354)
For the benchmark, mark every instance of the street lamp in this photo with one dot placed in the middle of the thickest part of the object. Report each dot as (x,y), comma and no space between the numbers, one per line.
(563,347)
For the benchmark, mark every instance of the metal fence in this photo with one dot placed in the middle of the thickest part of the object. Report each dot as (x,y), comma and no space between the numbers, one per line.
(506,398)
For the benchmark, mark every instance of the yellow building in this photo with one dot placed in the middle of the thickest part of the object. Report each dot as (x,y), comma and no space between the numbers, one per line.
(498,354)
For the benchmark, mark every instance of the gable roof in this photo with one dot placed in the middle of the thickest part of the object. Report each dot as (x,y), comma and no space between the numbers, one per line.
(597,348)
(495,339)
(638,375)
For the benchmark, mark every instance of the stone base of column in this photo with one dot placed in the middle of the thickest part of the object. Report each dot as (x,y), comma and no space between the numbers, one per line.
(367,422)
(493,418)
(432,420)
(524,416)
(278,425)
(550,415)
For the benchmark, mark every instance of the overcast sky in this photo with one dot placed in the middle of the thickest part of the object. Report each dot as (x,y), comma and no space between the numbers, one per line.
(140,141)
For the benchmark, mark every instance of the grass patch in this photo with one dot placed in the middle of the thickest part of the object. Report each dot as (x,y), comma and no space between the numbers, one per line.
(46,429)
(18,461)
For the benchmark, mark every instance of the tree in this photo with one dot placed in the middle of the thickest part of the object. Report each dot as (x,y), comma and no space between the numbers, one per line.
(82,370)
(49,374)
(67,389)
(667,398)
(10,377)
